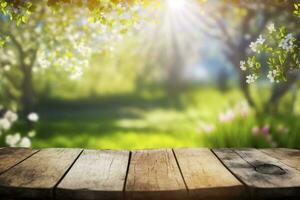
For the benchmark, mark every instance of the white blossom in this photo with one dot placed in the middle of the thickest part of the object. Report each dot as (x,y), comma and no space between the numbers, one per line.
(251,78)
(25,142)
(271,28)
(260,40)
(11,116)
(287,43)
(272,74)
(12,140)
(5,124)
(254,45)
(250,63)
(243,65)
(33,117)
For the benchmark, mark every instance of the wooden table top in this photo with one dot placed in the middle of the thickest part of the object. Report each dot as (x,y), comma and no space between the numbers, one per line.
(186,173)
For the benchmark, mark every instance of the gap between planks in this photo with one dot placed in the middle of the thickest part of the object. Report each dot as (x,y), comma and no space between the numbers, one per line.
(66,172)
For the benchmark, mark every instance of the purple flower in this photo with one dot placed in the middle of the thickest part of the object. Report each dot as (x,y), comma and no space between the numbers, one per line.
(266,129)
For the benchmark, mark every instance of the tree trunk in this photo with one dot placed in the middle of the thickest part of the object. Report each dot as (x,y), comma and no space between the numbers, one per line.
(27,96)
(278,92)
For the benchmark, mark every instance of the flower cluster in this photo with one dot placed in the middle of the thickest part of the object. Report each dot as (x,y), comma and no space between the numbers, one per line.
(239,110)
(205,127)
(251,78)
(15,140)
(273,76)
(287,43)
(264,131)
(282,53)
(255,46)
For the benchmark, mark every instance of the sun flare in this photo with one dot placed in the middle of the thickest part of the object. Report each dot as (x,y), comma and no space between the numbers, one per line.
(176,5)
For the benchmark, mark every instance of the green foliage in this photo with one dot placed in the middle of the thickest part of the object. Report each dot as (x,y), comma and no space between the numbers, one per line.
(297,9)
(132,121)
(17,10)
(282,51)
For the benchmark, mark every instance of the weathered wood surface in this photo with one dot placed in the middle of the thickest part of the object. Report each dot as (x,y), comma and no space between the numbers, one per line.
(290,157)
(9,157)
(205,175)
(97,174)
(154,174)
(159,174)
(36,176)
(265,176)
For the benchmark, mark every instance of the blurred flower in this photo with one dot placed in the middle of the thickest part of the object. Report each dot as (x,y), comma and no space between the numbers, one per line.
(243,65)
(33,117)
(251,78)
(266,129)
(255,130)
(5,124)
(12,140)
(206,127)
(254,45)
(243,109)
(227,116)
(287,43)
(11,116)
(271,28)
(260,40)
(31,134)
(25,142)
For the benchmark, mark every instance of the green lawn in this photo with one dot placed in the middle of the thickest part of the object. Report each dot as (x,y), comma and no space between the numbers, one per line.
(153,121)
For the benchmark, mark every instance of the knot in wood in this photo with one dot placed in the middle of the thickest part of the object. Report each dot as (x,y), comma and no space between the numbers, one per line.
(269,169)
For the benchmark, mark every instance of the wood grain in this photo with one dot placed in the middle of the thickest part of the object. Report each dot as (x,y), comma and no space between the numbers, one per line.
(265,176)
(9,157)
(154,174)
(290,157)
(97,174)
(36,176)
(206,177)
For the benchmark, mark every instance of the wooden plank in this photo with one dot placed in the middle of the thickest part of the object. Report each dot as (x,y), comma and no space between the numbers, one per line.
(35,177)
(206,177)
(95,175)
(154,174)
(290,157)
(9,157)
(266,177)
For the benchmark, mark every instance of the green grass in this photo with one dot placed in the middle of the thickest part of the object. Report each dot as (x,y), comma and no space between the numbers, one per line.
(145,121)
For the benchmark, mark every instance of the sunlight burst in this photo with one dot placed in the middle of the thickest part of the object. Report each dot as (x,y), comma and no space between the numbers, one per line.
(176,5)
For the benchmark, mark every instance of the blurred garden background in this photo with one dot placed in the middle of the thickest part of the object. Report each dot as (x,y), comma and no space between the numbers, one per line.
(149,75)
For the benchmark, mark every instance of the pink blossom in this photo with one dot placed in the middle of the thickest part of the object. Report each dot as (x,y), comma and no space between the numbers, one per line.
(206,127)
(266,129)
(227,116)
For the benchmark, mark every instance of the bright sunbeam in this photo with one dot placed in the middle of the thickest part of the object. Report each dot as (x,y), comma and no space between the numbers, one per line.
(176,5)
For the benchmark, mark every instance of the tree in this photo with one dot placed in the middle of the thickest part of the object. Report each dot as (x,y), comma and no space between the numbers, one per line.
(237,23)
(46,39)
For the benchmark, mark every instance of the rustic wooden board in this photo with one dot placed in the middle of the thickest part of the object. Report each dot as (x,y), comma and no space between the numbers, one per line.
(290,157)
(97,174)
(154,174)
(36,176)
(9,157)
(265,176)
(206,177)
